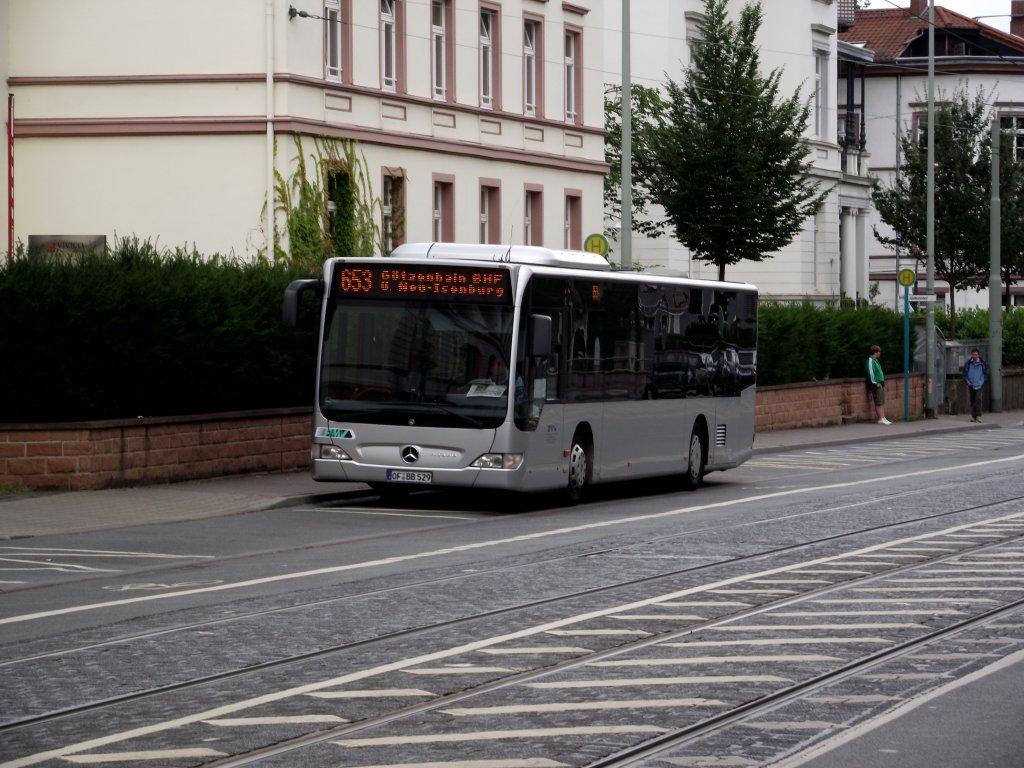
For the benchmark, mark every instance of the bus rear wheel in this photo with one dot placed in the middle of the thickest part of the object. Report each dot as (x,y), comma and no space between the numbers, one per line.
(579,469)
(695,463)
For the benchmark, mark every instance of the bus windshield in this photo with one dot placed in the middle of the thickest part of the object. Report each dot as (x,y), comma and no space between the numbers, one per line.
(416,362)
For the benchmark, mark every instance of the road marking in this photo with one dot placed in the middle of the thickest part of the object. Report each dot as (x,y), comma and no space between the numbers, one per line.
(782,641)
(581,706)
(598,632)
(378,513)
(536,649)
(525,537)
(657,617)
(899,600)
(134,757)
(526,733)
(792,725)
(370,693)
(709,761)
(709,660)
(458,670)
(529,762)
(651,681)
(802,627)
(232,722)
(894,612)
(60,567)
(60,552)
(446,653)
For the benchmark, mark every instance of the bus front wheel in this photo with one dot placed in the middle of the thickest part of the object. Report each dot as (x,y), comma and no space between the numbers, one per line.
(579,469)
(695,462)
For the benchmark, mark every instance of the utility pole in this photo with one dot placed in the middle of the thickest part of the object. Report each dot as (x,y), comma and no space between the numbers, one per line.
(995,305)
(929,357)
(626,230)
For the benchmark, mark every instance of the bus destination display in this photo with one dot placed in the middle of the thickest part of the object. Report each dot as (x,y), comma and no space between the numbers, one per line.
(422,282)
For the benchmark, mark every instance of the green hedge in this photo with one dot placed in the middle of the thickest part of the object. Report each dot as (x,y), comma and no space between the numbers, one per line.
(804,342)
(142,332)
(145,332)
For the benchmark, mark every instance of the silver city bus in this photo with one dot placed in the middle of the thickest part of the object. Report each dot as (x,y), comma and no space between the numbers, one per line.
(525,369)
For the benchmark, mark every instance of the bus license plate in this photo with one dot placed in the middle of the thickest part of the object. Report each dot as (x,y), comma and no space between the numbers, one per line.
(405,476)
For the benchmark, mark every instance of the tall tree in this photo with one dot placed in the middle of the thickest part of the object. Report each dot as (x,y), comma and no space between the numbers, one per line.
(733,171)
(963,183)
(646,108)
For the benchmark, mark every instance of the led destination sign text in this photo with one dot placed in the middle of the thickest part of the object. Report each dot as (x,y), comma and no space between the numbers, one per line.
(444,283)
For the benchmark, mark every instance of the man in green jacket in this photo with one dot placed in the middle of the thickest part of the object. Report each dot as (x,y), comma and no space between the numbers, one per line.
(876,380)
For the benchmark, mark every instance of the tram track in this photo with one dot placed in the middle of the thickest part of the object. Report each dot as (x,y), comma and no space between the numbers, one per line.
(549,669)
(10,666)
(668,741)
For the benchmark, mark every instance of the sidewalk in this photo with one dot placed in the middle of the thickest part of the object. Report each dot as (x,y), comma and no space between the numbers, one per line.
(39,514)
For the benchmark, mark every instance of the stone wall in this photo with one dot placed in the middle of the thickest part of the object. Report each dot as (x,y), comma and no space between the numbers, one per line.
(104,454)
(825,403)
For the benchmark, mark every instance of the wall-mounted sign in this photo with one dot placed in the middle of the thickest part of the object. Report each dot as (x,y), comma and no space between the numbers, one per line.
(65,245)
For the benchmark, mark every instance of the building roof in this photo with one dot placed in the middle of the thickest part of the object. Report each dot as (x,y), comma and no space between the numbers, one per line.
(894,33)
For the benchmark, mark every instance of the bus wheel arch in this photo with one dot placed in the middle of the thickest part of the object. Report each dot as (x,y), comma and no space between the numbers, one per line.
(581,463)
(696,455)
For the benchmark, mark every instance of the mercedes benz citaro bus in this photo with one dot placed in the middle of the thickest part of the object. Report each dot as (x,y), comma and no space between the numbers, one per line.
(521,368)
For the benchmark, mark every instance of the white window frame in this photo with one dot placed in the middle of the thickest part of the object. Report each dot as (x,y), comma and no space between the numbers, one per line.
(821,93)
(438,212)
(567,224)
(388,46)
(333,45)
(438,63)
(571,40)
(1012,124)
(487,58)
(485,213)
(530,67)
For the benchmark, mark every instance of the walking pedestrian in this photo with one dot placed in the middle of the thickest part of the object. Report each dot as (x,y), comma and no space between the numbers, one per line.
(876,381)
(975,376)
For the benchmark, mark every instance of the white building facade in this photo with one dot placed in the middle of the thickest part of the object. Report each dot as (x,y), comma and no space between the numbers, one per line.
(828,259)
(480,121)
(970,56)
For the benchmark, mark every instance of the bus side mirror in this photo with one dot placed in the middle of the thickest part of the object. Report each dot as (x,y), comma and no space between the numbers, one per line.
(540,335)
(292,297)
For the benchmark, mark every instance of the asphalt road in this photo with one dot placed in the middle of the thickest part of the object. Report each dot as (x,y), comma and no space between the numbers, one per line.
(95,616)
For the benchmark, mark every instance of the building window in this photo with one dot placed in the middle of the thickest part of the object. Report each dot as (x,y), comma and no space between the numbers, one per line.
(392,211)
(487,59)
(1012,128)
(533,217)
(532,74)
(573,77)
(444,209)
(573,225)
(332,22)
(441,49)
(693,33)
(389,46)
(821,60)
(490,211)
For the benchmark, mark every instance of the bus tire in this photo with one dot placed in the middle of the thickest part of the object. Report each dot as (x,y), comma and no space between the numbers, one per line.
(695,462)
(580,463)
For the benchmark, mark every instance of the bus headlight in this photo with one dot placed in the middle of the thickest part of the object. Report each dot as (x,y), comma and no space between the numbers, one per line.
(499,461)
(333,452)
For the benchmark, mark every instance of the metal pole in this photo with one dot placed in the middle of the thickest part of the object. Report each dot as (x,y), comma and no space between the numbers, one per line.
(929,405)
(10,179)
(906,353)
(626,232)
(995,307)
(269,158)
